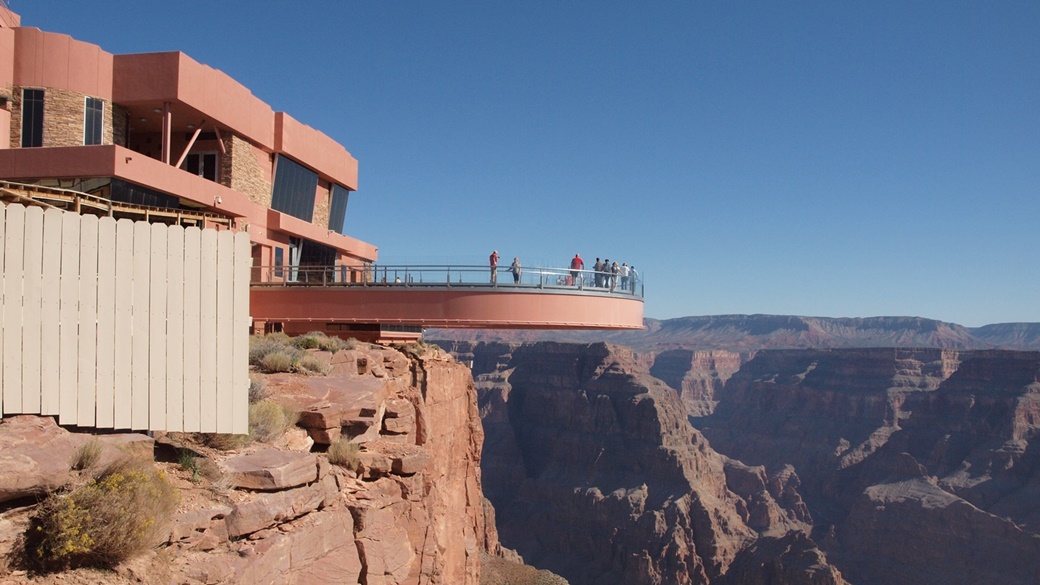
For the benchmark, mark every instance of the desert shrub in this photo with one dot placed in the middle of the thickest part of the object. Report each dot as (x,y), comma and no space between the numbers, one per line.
(308,340)
(344,453)
(261,346)
(277,362)
(332,344)
(269,420)
(257,389)
(87,455)
(224,441)
(118,515)
(319,340)
(314,364)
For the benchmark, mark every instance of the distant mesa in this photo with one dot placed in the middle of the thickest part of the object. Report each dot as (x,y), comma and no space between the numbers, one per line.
(754,332)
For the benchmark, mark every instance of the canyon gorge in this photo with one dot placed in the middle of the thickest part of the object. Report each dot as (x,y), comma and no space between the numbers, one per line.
(603,464)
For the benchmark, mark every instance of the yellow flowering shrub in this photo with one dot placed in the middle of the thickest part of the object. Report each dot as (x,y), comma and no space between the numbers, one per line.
(114,517)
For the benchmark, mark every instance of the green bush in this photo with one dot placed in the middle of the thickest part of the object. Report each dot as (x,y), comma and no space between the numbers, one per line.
(269,420)
(122,513)
(344,453)
(314,364)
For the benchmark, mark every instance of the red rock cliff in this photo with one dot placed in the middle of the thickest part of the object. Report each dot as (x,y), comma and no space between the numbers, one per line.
(413,513)
(596,474)
(918,466)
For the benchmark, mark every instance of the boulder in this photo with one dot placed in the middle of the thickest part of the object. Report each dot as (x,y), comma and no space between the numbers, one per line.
(270,469)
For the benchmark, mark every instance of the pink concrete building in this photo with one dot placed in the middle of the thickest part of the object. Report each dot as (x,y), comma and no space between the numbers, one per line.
(161,130)
(163,138)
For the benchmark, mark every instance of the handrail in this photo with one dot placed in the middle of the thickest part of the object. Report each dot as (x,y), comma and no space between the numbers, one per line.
(447,276)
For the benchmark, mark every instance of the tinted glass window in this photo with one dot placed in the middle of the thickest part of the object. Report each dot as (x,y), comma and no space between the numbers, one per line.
(338,209)
(32,117)
(131,193)
(93,117)
(294,188)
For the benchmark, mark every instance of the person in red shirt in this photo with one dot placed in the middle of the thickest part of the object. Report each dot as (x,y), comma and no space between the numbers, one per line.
(577,264)
(494,267)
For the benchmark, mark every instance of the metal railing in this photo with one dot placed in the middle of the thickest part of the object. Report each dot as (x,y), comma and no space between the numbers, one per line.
(447,276)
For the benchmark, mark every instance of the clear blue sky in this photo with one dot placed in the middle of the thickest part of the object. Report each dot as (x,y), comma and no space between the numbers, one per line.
(842,159)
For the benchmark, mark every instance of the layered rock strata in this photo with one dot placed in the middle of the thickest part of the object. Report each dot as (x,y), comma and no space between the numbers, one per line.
(412,513)
(596,475)
(918,466)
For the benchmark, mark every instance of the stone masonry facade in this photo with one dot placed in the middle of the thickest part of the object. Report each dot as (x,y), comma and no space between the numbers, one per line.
(322,205)
(243,172)
(63,118)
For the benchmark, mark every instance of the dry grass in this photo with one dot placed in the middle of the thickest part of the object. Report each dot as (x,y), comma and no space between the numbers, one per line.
(262,346)
(344,453)
(277,361)
(224,441)
(122,513)
(319,340)
(257,389)
(269,420)
(314,365)
(86,457)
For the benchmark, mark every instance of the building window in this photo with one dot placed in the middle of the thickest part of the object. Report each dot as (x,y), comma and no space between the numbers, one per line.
(32,118)
(203,164)
(338,209)
(93,118)
(294,189)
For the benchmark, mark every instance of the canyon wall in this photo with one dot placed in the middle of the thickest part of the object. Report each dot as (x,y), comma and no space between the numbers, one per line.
(596,474)
(917,465)
(879,466)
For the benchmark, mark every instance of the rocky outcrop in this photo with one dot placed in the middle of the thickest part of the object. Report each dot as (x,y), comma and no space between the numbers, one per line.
(596,475)
(917,465)
(412,512)
(698,376)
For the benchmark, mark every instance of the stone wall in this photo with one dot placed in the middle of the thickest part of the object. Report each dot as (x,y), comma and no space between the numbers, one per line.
(242,169)
(63,115)
(322,204)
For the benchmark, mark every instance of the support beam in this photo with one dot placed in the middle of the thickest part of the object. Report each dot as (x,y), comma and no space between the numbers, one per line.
(220,140)
(167,129)
(187,148)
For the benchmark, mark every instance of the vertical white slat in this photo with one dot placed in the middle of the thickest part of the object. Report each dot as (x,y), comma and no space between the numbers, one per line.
(124,324)
(240,359)
(175,328)
(88,283)
(157,330)
(208,333)
(141,319)
(225,329)
(3,310)
(50,331)
(68,315)
(106,316)
(242,328)
(192,345)
(32,308)
(12,357)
